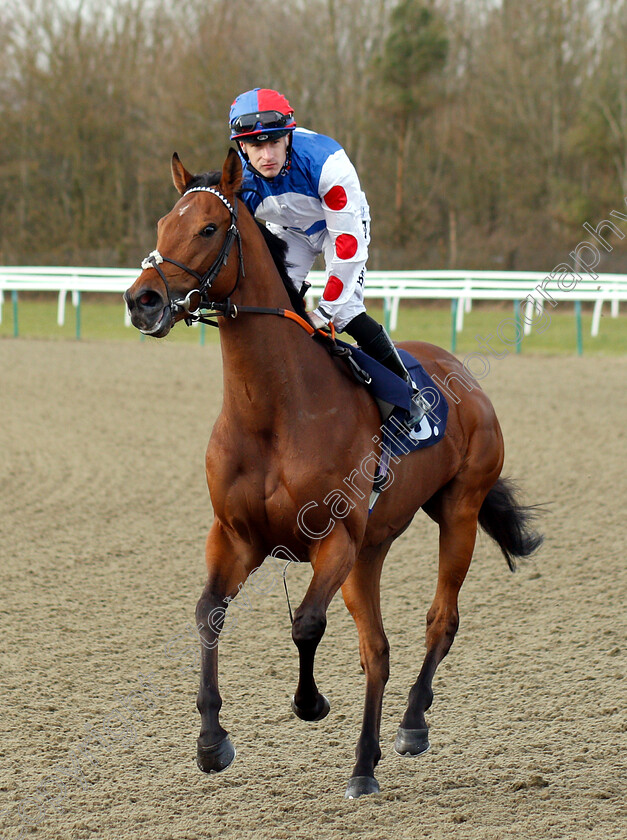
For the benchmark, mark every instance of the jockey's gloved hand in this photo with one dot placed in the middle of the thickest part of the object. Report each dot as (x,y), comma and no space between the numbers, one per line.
(318,321)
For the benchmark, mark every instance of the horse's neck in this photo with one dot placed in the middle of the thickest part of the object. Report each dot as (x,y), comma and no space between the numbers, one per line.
(270,366)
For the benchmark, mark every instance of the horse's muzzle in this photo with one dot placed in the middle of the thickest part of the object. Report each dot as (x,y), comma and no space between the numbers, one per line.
(149,312)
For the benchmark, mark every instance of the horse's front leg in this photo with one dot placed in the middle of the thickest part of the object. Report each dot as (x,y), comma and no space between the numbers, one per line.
(334,560)
(229,562)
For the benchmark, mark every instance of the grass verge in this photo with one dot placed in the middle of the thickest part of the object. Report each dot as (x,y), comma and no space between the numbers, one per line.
(103,319)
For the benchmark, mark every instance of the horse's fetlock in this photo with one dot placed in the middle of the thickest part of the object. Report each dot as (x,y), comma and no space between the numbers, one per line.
(367,753)
(428,698)
(208,697)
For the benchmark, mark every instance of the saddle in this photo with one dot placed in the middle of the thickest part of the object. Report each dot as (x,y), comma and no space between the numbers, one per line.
(393,396)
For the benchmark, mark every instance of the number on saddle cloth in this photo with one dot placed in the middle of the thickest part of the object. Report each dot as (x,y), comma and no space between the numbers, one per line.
(388,388)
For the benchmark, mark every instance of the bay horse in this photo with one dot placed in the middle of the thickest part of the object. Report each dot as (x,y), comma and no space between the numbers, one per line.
(295,427)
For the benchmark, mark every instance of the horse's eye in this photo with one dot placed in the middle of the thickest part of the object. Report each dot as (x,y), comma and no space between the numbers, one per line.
(209,230)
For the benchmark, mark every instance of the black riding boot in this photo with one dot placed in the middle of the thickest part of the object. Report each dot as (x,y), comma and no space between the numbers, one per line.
(374,340)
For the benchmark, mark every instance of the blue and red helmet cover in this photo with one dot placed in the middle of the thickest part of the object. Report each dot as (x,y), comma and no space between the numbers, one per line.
(258,101)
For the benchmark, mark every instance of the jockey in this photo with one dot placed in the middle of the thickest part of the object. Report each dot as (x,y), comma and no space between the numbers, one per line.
(306,190)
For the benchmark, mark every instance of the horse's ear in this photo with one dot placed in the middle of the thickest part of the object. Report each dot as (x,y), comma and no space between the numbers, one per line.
(232,172)
(180,175)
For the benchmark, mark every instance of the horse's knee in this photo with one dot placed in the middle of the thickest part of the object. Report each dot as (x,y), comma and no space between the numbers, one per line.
(375,659)
(210,613)
(201,610)
(308,627)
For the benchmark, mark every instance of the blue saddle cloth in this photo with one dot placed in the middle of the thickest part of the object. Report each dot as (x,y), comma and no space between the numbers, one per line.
(390,388)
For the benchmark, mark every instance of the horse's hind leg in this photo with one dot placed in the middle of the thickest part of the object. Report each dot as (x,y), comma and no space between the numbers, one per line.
(361,593)
(457,518)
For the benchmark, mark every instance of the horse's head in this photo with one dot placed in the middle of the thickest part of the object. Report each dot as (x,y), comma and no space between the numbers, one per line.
(190,266)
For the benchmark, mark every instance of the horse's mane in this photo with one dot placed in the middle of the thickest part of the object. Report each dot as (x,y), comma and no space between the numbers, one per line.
(276,246)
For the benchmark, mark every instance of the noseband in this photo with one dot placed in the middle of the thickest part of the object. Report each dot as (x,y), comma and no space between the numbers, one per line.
(206,280)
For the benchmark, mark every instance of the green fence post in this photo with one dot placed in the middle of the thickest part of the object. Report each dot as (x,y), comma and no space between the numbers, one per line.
(78,315)
(518,325)
(16,329)
(202,335)
(387,315)
(578,327)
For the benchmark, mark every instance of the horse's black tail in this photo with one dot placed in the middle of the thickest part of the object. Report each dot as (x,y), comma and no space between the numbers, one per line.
(509,523)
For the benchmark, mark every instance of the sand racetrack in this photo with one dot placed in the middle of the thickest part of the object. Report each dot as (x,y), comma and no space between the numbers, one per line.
(103,515)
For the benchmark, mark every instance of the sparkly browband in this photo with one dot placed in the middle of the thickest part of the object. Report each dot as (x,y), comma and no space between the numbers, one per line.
(215,192)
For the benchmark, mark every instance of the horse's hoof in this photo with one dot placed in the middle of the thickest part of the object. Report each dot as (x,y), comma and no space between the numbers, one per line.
(411,741)
(361,786)
(321,710)
(216,758)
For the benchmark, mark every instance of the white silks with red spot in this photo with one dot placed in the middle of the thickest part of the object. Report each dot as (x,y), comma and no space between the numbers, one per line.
(318,206)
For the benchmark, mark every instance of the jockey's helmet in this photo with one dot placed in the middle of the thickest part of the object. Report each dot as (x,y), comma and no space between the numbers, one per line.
(259,115)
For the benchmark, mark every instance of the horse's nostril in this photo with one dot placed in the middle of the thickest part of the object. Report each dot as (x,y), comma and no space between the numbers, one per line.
(149,300)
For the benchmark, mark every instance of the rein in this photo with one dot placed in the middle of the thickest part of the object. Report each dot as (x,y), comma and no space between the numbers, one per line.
(231,310)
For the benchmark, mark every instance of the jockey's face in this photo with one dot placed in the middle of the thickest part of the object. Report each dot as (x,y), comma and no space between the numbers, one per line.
(268,157)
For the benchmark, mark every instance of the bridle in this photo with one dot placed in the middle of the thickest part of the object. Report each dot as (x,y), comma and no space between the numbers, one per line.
(207,307)
(206,280)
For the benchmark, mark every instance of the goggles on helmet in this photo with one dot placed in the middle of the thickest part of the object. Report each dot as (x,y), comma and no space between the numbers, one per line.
(261,121)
